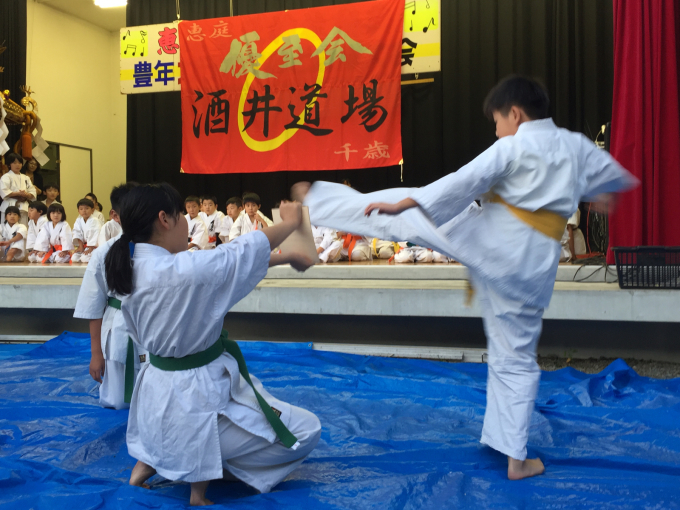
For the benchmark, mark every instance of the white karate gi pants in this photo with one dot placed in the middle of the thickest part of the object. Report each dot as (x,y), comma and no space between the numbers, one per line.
(512,331)
(61,257)
(332,253)
(81,257)
(413,254)
(439,258)
(359,254)
(262,464)
(112,388)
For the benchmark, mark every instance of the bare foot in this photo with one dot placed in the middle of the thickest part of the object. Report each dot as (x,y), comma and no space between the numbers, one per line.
(299,191)
(518,469)
(198,494)
(140,474)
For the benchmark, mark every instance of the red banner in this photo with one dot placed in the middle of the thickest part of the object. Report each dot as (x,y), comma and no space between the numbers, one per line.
(308,89)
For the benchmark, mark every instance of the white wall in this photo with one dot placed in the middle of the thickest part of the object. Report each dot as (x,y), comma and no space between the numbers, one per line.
(74,68)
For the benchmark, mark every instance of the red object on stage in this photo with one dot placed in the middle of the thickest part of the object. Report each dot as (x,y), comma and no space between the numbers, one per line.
(645,122)
(306,89)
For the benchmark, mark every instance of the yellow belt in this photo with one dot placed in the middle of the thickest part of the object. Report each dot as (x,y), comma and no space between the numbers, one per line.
(546,222)
(375,247)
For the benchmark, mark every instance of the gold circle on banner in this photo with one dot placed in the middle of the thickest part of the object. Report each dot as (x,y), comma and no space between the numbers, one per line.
(270,145)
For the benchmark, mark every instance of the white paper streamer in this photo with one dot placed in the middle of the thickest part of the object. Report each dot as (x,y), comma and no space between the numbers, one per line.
(3,128)
(40,145)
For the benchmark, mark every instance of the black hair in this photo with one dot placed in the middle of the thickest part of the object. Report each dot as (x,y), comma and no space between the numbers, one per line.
(85,201)
(12,209)
(94,198)
(346,182)
(38,206)
(192,198)
(99,206)
(514,90)
(25,167)
(118,192)
(209,197)
(58,208)
(11,157)
(236,201)
(139,210)
(251,197)
(48,186)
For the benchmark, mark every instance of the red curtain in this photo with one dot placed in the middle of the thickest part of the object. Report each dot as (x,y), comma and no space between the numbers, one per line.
(645,135)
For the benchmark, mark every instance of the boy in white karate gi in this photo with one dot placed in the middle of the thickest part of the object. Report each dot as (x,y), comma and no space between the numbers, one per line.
(212,219)
(410,253)
(95,208)
(37,217)
(109,338)
(252,219)
(198,232)
(51,194)
(55,241)
(355,248)
(328,244)
(234,210)
(530,181)
(13,243)
(196,413)
(85,231)
(16,188)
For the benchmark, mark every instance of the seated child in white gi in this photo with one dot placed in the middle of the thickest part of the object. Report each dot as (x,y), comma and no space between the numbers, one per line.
(252,220)
(355,248)
(530,182)
(328,244)
(212,219)
(13,244)
(85,231)
(573,242)
(52,194)
(37,217)
(234,210)
(95,208)
(110,229)
(383,249)
(54,242)
(196,413)
(109,338)
(410,253)
(16,188)
(198,232)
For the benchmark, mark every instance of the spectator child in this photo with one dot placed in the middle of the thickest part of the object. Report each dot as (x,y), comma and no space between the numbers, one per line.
(198,233)
(37,217)
(212,219)
(252,220)
(55,241)
(85,231)
(13,236)
(16,189)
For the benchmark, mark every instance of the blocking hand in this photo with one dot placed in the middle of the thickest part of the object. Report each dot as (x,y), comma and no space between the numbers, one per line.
(291,212)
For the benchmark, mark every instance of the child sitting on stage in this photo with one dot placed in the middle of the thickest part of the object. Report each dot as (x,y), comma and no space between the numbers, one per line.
(328,244)
(95,208)
(355,248)
(573,242)
(383,249)
(198,232)
(52,193)
(530,181)
(234,210)
(54,242)
(196,414)
(85,231)
(37,217)
(212,219)
(252,220)
(14,234)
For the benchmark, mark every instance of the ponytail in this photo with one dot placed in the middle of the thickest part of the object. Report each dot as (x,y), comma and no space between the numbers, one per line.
(139,211)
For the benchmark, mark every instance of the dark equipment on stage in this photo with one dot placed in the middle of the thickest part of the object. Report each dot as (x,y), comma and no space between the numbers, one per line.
(648,267)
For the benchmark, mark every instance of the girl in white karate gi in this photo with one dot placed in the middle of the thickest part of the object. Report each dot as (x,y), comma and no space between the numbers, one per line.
(13,243)
(194,415)
(530,181)
(37,217)
(54,242)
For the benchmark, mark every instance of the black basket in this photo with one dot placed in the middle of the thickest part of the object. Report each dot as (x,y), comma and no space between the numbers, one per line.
(648,267)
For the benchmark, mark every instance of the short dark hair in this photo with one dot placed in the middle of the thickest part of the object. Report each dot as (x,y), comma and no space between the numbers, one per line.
(11,157)
(12,209)
(100,207)
(209,197)
(94,197)
(38,206)
(53,186)
(251,197)
(85,201)
(118,192)
(192,198)
(236,201)
(58,208)
(514,90)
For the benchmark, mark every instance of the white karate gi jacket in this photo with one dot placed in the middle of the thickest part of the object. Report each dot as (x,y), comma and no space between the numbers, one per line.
(243,225)
(213,224)
(98,216)
(51,235)
(34,230)
(540,167)
(225,228)
(110,230)
(87,231)
(198,233)
(177,308)
(579,240)
(9,233)
(11,182)
(324,237)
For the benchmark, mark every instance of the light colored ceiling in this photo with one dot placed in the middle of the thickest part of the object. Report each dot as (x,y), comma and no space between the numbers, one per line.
(111,19)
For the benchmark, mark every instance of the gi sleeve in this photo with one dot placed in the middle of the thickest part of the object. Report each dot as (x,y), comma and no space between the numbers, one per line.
(42,241)
(78,227)
(66,238)
(444,199)
(200,237)
(5,188)
(94,227)
(235,230)
(93,297)
(30,188)
(601,173)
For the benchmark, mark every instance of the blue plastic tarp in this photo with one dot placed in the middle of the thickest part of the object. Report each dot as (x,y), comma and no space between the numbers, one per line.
(397,434)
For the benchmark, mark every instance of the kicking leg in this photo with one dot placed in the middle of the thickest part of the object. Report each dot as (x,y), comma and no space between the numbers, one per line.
(140,474)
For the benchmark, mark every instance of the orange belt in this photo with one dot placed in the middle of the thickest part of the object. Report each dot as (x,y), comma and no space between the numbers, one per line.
(212,239)
(56,247)
(349,241)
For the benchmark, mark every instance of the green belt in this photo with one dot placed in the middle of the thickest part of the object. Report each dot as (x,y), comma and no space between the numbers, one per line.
(211,354)
(129,359)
